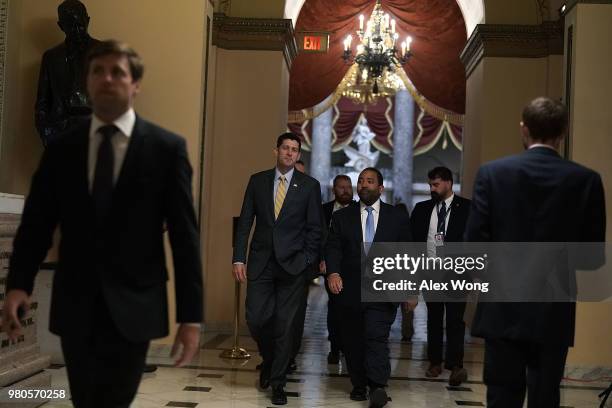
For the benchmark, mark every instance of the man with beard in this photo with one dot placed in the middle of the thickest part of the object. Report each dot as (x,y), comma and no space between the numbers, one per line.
(62,98)
(364,326)
(436,221)
(343,196)
(286,205)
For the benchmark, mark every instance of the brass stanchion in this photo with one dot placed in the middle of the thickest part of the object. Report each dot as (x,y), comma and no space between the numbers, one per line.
(236,352)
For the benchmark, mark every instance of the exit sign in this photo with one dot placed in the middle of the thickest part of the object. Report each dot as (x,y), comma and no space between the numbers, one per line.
(312,41)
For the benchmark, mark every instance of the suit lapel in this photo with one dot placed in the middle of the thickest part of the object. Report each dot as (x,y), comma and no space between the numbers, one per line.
(292,189)
(269,190)
(383,217)
(356,224)
(426,219)
(130,161)
(454,217)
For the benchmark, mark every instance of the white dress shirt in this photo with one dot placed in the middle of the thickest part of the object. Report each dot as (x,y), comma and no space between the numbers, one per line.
(364,216)
(120,141)
(433,224)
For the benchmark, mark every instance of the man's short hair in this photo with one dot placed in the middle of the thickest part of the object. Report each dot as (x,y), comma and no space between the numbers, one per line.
(288,136)
(441,172)
(545,118)
(342,177)
(114,47)
(379,175)
(68,5)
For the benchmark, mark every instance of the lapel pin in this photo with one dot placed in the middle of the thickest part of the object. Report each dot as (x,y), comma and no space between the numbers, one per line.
(295,185)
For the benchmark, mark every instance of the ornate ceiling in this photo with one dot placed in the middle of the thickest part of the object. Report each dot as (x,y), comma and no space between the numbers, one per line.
(438,33)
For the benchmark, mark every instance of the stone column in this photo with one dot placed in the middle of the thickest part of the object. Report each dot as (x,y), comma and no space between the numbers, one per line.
(320,159)
(403,136)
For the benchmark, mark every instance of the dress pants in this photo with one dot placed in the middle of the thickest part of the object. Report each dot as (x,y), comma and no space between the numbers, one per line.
(407,323)
(273,301)
(365,333)
(104,368)
(299,322)
(333,321)
(455,333)
(512,366)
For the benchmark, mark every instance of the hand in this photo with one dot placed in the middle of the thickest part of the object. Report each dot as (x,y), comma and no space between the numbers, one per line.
(15,299)
(411,304)
(322,268)
(189,337)
(335,283)
(239,271)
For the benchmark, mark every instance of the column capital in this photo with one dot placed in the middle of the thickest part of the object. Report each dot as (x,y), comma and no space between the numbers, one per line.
(512,41)
(261,34)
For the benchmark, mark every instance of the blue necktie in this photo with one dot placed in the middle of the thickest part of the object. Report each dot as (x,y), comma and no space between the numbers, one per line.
(369,229)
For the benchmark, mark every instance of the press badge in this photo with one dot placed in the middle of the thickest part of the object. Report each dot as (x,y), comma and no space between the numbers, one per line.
(439,239)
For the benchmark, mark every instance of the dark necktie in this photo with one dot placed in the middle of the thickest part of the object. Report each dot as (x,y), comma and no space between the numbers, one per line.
(442,218)
(102,190)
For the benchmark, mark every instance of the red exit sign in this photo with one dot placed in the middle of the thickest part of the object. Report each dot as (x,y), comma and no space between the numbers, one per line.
(312,42)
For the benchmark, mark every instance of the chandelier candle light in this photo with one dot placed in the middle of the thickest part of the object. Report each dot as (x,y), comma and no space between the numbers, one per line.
(376,59)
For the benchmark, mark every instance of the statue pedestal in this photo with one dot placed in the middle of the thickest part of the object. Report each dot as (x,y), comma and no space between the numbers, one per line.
(21,365)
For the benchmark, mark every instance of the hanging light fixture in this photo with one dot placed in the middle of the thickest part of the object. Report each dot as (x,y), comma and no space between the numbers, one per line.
(372,74)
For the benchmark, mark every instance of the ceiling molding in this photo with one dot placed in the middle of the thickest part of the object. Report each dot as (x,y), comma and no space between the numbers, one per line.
(261,34)
(512,41)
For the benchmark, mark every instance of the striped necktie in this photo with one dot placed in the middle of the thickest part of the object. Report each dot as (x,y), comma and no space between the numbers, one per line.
(281,192)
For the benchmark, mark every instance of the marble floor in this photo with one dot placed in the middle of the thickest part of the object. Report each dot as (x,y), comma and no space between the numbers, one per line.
(214,382)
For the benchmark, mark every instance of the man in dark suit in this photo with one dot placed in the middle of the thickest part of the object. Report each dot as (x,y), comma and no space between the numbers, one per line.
(284,248)
(365,326)
(111,185)
(435,221)
(343,197)
(536,196)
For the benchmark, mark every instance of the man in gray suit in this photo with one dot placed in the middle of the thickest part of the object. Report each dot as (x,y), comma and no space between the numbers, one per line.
(286,243)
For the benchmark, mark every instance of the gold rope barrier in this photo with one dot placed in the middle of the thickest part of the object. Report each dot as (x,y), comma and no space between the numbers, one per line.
(236,352)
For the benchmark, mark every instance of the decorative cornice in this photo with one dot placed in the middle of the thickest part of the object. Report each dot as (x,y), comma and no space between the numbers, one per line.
(264,34)
(512,41)
(571,3)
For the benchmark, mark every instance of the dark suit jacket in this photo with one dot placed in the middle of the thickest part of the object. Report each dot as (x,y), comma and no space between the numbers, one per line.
(294,238)
(419,222)
(344,246)
(536,196)
(122,260)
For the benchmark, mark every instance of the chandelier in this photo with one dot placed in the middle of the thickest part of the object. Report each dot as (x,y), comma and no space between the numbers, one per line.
(372,74)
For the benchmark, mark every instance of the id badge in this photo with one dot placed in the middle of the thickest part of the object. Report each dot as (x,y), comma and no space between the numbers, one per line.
(439,239)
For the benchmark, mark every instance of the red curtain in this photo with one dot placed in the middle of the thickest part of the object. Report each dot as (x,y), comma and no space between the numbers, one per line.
(438,33)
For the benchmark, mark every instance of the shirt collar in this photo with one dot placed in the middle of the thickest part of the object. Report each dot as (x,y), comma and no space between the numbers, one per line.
(338,206)
(541,145)
(448,201)
(375,206)
(288,175)
(125,123)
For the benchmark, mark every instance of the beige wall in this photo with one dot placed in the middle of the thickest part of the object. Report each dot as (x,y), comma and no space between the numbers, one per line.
(591,123)
(172,88)
(496,92)
(511,12)
(250,111)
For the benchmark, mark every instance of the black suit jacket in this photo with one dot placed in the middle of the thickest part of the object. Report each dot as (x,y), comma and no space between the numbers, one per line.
(344,246)
(536,196)
(123,260)
(421,216)
(294,238)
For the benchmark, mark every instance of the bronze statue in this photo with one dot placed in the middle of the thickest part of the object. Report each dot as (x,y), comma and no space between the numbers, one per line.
(62,96)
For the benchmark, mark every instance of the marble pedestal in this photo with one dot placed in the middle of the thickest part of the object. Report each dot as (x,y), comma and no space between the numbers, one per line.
(21,365)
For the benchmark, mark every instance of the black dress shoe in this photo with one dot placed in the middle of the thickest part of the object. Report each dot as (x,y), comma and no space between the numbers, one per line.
(358,394)
(279,397)
(378,398)
(149,368)
(333,358)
